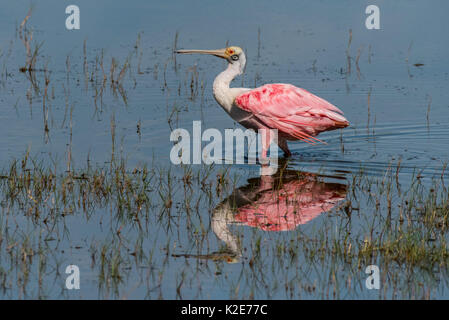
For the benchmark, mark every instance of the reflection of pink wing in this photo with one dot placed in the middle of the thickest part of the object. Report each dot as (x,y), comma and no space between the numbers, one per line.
(292,110)
(297,202)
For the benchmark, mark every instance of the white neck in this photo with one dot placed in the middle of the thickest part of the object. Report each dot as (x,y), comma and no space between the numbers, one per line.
(221,217)
(222,92)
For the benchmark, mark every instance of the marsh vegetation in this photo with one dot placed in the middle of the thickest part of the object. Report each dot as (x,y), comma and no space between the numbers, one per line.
(85,176)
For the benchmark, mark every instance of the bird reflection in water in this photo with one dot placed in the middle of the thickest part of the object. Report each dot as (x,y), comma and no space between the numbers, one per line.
(271,203)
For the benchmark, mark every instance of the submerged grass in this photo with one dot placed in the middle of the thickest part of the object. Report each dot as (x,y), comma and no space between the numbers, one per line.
(402,230)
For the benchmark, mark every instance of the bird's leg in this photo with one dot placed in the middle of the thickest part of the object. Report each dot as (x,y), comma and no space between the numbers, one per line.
(266,141)
(266,182)
(268,166)
(282,143)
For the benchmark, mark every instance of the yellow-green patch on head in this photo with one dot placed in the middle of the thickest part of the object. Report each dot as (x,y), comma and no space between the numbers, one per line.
(233,50)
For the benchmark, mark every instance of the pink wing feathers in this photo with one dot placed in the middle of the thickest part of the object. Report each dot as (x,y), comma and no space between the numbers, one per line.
(292,110)
(297,202)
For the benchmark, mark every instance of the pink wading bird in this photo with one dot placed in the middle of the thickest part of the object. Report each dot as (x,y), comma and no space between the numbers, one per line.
(296,113)
(271,203)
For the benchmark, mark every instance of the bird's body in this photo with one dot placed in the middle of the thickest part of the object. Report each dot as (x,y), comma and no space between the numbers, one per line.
(274,203)
(296,113)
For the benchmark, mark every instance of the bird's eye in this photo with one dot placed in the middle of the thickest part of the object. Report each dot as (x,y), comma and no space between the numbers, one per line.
(235,57)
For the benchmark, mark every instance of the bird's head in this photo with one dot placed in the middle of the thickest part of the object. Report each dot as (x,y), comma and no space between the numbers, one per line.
(234,55)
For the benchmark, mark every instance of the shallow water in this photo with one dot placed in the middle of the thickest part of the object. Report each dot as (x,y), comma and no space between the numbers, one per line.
(398,113)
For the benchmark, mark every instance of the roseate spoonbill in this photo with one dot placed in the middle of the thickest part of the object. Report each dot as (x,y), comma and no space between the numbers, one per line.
(271,203)
(281,202)
(296,113)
